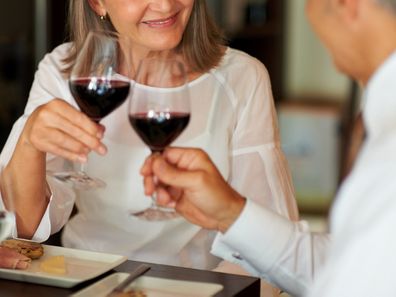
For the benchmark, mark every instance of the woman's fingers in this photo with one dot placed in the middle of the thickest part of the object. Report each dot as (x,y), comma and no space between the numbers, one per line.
(64,110)
(91,141)
(60,129)
(75,137)
(64,153)
(74,123)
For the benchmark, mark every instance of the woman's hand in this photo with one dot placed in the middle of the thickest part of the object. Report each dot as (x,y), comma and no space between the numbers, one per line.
(194,187)
(60,129)
(57,128)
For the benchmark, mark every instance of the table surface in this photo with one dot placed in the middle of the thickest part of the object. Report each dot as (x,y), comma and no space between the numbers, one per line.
(234,285)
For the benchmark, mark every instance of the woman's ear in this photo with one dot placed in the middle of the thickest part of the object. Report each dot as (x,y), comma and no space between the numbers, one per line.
(98,7)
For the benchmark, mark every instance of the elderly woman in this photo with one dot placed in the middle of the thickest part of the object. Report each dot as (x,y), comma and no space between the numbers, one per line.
(233,119)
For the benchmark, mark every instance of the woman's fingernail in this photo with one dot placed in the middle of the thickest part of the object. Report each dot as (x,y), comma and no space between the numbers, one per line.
(82,159)
(171,204)
(102,150)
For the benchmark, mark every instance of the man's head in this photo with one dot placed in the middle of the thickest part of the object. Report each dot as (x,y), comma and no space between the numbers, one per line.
(358,33)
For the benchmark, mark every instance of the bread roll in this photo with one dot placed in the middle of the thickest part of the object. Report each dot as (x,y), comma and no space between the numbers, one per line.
(30,249)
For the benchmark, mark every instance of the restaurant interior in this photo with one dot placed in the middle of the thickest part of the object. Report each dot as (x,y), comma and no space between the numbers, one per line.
(315,104)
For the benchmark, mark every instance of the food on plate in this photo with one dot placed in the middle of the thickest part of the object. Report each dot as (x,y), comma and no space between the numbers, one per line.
(30,249)
(11,259)
(137,293)
(131,293)
(55,264)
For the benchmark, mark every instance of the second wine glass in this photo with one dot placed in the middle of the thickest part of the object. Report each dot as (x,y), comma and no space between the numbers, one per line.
(159,110)
(99,82)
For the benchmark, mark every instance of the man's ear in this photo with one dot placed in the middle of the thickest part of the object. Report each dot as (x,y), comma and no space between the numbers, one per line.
(98,7)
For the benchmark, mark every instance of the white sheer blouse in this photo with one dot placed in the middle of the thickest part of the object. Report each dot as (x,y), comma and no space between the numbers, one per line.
(233,119)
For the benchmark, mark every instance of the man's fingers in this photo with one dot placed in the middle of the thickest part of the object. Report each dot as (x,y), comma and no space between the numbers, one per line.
(189,158)
(175,193)
(170,175)
(149,185)
(164,198)
(145,170)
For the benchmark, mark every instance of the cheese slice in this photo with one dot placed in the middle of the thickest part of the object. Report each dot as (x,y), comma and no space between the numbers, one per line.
(54,265)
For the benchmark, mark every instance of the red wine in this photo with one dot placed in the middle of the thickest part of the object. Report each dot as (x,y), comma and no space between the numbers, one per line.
(98,98)
(160,130)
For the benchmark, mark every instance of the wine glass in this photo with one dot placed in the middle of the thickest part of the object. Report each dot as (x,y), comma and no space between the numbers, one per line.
(159,110)
(99,82)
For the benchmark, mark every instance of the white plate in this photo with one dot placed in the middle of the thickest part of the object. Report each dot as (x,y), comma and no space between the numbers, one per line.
(80,266)
(152,287)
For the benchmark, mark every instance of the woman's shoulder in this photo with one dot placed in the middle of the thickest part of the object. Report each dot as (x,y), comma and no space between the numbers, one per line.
(241,63)
(56,56)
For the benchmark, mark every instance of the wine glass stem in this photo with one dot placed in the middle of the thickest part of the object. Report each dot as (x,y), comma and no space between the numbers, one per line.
(81,167)
(156,180)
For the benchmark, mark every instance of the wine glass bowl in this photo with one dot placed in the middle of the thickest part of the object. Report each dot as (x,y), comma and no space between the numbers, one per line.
(99,82)
(159,111)
(159,129)
(98,97)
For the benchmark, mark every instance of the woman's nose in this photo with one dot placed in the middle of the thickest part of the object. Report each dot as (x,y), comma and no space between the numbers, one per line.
(162,5)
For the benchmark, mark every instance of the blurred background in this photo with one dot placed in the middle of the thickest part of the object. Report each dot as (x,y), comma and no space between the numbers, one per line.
(315,103)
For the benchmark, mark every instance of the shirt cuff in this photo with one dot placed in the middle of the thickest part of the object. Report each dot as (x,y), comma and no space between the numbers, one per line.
(256,240)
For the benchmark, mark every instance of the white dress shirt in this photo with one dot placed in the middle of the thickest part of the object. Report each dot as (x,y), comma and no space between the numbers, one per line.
(233,119)
(360,260)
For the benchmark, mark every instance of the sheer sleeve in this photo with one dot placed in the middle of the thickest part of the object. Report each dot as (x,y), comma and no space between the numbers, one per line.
(48,84)
(259,168)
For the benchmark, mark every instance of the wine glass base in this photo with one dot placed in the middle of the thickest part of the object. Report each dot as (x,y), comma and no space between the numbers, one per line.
(79,180)
(156,214)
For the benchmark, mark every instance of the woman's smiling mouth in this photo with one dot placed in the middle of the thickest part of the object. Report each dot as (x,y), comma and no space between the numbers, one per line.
(162,23)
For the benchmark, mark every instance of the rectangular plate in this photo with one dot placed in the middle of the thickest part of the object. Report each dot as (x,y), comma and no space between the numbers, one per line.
(151,286)
(80,266)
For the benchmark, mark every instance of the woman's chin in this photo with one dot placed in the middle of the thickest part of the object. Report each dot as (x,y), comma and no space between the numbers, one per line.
(165,44)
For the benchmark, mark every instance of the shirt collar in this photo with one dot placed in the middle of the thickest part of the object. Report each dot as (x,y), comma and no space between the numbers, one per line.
(379,108)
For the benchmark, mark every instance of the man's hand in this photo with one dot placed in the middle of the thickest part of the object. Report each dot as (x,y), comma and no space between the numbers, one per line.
(194,187)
